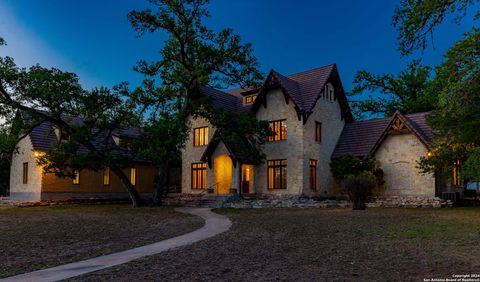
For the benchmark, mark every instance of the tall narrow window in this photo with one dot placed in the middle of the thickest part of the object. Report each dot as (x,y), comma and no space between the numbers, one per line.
(25,173)
(279,130)
(318,131)
(106,176)
(199,175)
(200,136)
(76,177)
(457,180)
(313,175)
(133,176)
(277,174)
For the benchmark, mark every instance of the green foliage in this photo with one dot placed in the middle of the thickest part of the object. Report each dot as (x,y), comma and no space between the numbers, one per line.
(416,20)
(471,168)
(348,165)
(405,92)
(192,56)
(442,156)
(457,83)
(357,176)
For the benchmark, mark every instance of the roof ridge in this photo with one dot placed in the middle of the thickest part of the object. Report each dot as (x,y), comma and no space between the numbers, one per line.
(311,70)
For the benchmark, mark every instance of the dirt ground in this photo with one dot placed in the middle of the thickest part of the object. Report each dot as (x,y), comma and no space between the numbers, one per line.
(40,237)
(321,245)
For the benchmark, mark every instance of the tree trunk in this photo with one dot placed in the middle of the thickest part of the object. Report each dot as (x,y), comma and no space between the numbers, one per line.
(132,192)
(160,183)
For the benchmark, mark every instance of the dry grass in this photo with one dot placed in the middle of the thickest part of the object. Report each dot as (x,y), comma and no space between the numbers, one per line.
(40,237)
(320,244)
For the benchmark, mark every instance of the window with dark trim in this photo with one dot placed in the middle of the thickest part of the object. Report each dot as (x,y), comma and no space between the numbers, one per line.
(318,131)
(76,177)
(25,173)
(313,175)
(199,175)
(200,136)
(250,99)
(279,129)
(277,174)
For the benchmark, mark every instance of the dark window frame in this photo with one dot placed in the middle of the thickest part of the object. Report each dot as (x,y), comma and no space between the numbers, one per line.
(277,174)
(197,141)
(198,176)
(318,132)
(25,173)
(276,127)
(313,174)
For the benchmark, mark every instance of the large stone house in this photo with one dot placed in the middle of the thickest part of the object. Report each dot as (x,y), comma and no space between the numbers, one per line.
(312,121)
(28,182)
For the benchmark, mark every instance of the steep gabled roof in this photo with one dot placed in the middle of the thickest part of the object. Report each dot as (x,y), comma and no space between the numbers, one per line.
(364,137)
(305,88)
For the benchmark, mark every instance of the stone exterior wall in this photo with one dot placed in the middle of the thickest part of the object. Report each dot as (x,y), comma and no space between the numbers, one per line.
(31,190)
(290,149)
(327,112)
(191,154)
(398,155)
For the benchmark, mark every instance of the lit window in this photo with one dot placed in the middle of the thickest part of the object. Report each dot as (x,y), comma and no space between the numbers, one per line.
(25,173)
(313,175)
(318,131)
(106,176)
(199,175)
(250,99)
(279,129)
(200,136)
(76,177)
(457,180)
(277,174)
(133,176)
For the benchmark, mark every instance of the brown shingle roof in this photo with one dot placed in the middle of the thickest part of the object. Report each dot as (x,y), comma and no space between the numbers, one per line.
(303,88)
(360,138)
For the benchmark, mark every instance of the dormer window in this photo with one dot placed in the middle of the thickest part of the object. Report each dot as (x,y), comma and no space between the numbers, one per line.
(250,99)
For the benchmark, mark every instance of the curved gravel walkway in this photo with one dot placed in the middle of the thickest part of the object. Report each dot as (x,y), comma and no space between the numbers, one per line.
(214,225)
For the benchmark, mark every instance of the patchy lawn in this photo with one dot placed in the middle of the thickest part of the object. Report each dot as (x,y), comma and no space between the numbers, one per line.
(39,237)
(319,244)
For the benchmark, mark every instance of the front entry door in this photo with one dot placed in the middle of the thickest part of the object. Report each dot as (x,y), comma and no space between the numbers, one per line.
(223,174)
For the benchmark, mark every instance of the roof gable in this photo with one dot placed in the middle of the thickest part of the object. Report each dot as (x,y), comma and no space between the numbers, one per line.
(304,89)
(364,137)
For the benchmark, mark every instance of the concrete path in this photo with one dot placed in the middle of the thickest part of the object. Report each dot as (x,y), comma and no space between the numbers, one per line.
(214,225)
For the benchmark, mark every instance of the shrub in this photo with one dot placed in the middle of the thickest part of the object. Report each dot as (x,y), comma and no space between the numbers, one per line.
(357,176)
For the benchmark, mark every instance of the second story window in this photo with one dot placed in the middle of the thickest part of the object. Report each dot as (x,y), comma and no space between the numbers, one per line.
(318,131)
(250,99)
(200,136)
(279,129)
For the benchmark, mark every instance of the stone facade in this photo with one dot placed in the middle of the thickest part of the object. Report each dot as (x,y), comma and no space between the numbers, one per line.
(398,155)
(31,191)
(298,149)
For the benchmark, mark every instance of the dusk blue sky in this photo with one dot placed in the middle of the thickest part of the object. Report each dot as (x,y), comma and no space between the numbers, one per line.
(95,40)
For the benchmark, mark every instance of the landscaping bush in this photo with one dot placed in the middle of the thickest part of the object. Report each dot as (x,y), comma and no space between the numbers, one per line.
(358,177)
